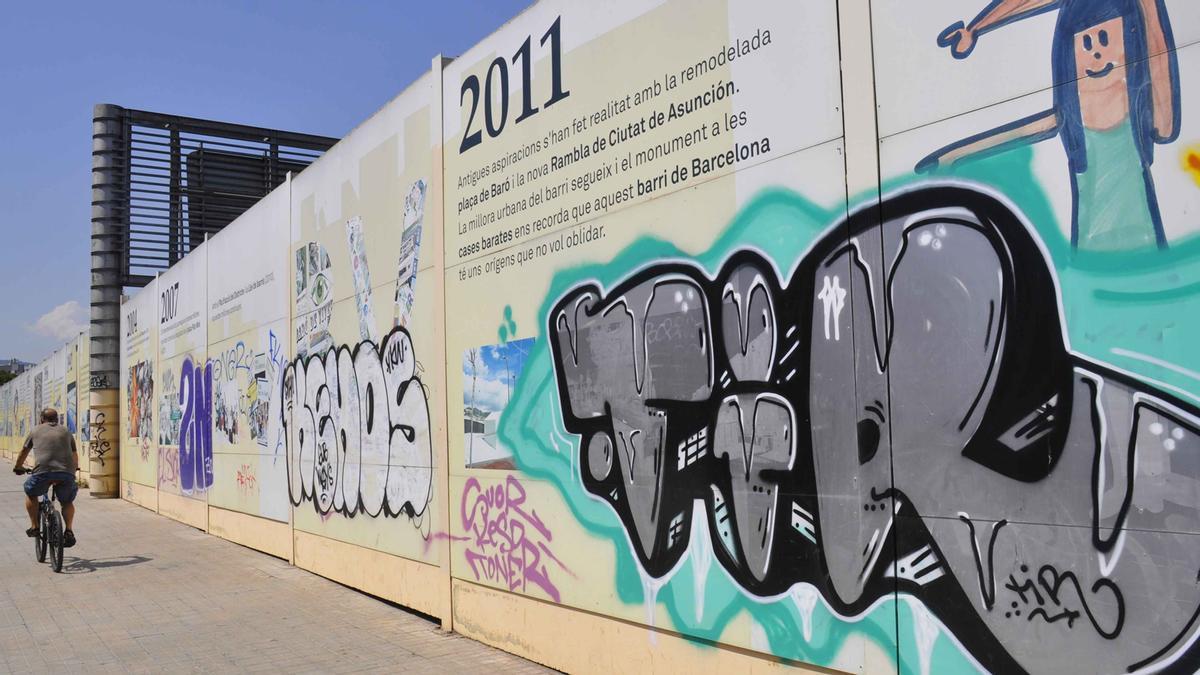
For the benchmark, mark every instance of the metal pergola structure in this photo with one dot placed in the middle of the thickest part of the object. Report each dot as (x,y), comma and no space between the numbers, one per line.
(178,179)
(160,185)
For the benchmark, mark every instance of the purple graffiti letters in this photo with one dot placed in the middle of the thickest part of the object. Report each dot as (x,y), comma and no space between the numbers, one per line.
(506,543)
(195,437)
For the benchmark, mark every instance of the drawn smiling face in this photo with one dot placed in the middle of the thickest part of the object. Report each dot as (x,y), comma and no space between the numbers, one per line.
(1101,74)
(1099,51)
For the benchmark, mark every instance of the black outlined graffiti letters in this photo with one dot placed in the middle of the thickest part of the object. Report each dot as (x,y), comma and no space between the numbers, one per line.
(98,443)
(357,429)
(898,412)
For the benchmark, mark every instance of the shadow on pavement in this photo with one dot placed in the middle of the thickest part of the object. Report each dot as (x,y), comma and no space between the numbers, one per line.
(73,565)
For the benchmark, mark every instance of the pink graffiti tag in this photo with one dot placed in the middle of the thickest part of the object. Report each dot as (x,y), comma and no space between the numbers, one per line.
(246,480)
(506,543)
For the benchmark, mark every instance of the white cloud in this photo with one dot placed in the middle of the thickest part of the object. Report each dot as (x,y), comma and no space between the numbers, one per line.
(488,394)
(63,322)
(481,368)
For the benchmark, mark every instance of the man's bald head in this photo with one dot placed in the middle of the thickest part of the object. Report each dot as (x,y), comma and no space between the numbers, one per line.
(50,415)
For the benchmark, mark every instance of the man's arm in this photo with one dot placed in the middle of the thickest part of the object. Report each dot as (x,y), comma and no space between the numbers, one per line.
(75,452)
(24,453)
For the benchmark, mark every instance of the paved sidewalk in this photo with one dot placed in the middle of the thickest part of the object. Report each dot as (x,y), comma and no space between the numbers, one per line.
(142,593)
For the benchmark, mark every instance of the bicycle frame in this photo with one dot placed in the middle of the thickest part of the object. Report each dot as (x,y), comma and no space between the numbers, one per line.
(50,530)
(50,533)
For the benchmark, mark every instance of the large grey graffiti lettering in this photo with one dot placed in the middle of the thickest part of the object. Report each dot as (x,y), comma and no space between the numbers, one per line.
(356,424)
(899,413)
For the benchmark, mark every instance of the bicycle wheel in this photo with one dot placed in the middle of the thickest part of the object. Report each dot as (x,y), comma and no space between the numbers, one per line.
(39,542)
(56,541)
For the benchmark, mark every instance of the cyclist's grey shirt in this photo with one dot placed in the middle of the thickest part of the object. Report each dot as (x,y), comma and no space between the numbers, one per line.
(53,448)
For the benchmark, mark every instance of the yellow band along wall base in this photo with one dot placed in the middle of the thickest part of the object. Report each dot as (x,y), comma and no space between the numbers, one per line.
(259,533)
(705,336)
(413,584)
(185,510)
(504,620)
(142,495)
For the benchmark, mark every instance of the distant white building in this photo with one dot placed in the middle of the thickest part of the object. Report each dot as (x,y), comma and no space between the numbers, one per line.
(14,366)
(489,426)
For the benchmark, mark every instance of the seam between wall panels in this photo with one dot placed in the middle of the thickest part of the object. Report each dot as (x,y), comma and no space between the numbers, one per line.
(887,328)
(863,177)
(439,267)
(290,350)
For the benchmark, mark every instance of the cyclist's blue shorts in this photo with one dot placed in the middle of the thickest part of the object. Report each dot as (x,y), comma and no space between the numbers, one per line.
(37,484)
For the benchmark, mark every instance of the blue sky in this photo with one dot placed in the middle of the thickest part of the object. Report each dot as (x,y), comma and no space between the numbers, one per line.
(490,390)
(302,65)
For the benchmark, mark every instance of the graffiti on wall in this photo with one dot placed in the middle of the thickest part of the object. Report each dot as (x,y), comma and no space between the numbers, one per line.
(242,384)
(357,430)
(195,428)
(168,467)
(98,441)
(507,542)
(1114,103)
(800,410)
(247,482)
(139,399)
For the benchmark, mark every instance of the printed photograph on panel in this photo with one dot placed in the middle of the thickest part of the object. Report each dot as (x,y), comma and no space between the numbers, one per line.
(314,299)
(139,399)
(143,410)
(410,249)
(362,385)
(490,374)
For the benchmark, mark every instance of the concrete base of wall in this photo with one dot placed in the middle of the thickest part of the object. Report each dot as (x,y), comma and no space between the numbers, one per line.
(269,536)
(142,495)
(187,511)
(538,631)
(416,585)
(528,627)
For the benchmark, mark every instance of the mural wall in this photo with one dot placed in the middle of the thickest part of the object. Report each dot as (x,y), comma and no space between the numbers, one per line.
(143,412)
(359,413)
(248,327)
(185,395)
(943,424)
(57,382)
(840,333)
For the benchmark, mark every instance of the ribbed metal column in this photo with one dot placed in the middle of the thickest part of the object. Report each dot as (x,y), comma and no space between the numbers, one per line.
(110,213)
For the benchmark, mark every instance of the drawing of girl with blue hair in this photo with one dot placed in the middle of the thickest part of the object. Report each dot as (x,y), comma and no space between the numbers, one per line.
(1116,96)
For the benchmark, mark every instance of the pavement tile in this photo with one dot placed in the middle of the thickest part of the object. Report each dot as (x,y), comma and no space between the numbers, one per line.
(141,593)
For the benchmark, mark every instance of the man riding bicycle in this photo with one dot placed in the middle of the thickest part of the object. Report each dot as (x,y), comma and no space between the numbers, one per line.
(56,459)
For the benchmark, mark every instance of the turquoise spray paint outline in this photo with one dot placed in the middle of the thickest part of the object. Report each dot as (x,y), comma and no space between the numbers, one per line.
(1132,285)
